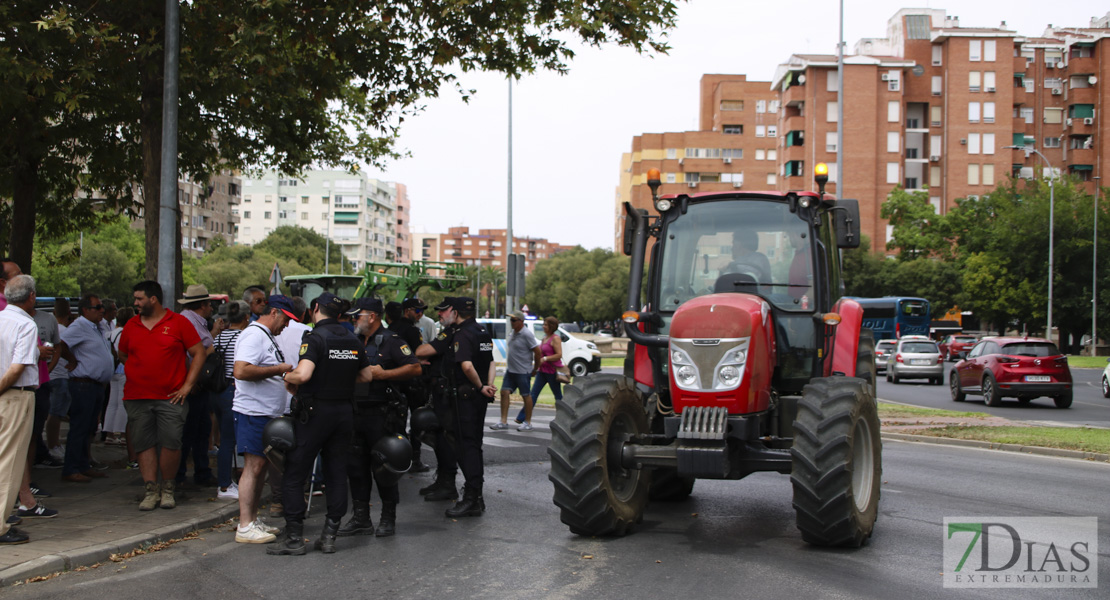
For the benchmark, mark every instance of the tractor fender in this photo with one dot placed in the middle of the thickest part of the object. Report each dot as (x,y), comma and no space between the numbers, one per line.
(846,339)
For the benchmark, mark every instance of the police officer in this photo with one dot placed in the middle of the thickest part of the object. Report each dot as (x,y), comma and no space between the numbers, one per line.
(331,361)
(404,324)
(380,411)
(474,373)
(439,352)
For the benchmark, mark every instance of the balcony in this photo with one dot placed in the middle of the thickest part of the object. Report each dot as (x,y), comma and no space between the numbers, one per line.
(795,123)
(790,153)
(1086,64)
(1087,95)
(1081,156)
(795,95)
(1080,125)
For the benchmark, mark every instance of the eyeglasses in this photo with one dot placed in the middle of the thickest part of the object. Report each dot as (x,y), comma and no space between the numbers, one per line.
(97,307)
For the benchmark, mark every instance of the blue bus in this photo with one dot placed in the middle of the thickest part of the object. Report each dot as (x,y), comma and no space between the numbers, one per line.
(892,317)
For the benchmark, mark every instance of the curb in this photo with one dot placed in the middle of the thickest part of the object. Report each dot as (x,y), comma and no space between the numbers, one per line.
(1035,450)
(98,553)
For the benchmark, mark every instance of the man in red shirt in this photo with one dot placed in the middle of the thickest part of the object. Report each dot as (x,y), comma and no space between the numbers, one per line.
(153,348)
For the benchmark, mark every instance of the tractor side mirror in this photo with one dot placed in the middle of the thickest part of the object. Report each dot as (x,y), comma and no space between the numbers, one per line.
(846,217)
(629,230)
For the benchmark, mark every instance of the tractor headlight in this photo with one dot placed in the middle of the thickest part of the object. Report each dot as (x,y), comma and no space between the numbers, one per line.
(679,357)
(730,370)
(687,376)
(729,376)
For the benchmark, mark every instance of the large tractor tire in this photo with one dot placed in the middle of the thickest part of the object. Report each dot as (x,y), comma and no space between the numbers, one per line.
(837,462)
(595,495)
(865,358)
(668,486)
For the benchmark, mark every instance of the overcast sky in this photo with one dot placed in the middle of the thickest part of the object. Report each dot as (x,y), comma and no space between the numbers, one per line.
(569,131)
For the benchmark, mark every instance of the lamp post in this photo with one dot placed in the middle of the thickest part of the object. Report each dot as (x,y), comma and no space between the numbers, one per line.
(1051,225)
(1094,277)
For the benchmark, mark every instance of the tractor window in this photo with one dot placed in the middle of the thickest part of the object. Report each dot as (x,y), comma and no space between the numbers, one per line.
(744,246)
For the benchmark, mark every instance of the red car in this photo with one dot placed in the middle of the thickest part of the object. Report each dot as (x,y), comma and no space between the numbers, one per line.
(952,345)
(1015,367)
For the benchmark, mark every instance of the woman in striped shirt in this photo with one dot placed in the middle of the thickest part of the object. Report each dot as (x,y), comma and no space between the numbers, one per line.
(238,317)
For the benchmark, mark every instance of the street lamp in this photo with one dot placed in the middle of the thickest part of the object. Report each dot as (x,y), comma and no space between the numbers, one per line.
(1094,278)
(1051,225)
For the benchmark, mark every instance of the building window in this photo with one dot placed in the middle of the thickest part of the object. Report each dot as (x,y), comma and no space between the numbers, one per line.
(988,81)
(773,107)
(772,179)
(935,115)
(733,129)
(973,143)
(1053,115)
(670,178)
(1052,142)
(247,214)
(268,198)
(973,174)
(1027,114)
(772,131)
(760,106)
(830,141)
(988,174)
(938,85)
(830,80)
(672,153)
(760,154)
(892,141)
(324,216)
(989,50)
(760,131)
(975,50)
(893,111)
(938,52)
(988,112)
(772,155)
(934,177)
(831,111)
(304,199)
(246,199)
(304,216)
(892,173)
(267,215)
(732,105)
(973,112)
(988,143)
(974,80)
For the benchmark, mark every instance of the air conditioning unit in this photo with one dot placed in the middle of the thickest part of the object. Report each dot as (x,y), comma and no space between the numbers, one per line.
(691,184)
(728,160)
(885,77)
(934,158)
(1057,91)
(1050,65)
(1088,121)
(963,141)
(1069,122)
(737,184)
(681,160)
(990,89)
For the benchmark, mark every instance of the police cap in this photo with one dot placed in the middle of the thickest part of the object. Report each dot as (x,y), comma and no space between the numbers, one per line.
(371,304)
(331,301)
(462,303)
(446,303)
(414,303)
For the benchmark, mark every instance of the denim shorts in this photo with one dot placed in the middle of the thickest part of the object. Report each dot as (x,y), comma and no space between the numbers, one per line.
(248,433)
(517,381)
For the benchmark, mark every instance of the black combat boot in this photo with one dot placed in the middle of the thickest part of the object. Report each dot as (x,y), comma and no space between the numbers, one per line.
(360,523)
(388,522)
(292,543)
(443,489)
(326,543)
(472,505)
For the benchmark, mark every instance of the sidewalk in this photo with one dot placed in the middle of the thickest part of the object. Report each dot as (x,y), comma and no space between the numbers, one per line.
(102,518)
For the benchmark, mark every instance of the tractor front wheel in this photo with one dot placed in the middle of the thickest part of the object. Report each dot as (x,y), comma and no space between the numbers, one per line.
(595,494)
(837,462)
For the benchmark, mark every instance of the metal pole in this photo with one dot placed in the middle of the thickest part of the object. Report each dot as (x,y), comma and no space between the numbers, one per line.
(327,242)
(478,292)
(167,225)
(1051,230)
(840,108)
(510,301)
(1094,279)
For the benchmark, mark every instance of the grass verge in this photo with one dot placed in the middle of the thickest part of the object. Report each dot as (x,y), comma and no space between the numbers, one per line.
(898,411)
(1068,438)
(1087,362)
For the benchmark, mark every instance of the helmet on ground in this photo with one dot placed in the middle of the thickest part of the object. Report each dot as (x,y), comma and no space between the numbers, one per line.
(391,457)
(277,440)
(424,419)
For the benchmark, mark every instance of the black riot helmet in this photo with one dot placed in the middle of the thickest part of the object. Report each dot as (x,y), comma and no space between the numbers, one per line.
(277,440)
(391,457)
(424,419)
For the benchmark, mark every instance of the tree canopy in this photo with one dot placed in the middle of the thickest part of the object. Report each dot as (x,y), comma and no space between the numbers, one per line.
(579,285)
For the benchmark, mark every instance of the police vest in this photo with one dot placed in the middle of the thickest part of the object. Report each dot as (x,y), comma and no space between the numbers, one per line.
(334,377)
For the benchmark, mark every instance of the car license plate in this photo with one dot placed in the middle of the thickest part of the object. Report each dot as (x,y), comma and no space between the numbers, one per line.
(1038,378)
(921,361)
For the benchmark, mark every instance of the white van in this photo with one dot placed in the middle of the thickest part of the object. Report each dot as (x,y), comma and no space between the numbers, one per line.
(581,356)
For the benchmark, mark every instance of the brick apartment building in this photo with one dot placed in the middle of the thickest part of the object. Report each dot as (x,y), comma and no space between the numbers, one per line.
(931,107)
(486,248)
(208,210)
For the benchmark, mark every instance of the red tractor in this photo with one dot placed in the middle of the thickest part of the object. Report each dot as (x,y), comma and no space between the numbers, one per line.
(744,358)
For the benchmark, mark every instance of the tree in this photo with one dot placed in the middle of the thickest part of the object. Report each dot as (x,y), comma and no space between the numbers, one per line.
(293,244)
(282,84)
(917,230)
(579,285)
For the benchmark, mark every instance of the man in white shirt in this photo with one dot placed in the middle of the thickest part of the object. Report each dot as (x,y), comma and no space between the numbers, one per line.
(19,377)
(260,395)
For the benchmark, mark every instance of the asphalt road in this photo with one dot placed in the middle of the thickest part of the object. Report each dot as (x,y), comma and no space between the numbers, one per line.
(730,539)
(1088,406)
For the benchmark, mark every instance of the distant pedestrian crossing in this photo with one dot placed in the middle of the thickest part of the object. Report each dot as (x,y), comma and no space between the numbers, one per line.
(511,438)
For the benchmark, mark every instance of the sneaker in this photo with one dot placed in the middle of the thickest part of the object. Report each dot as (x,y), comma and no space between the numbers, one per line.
(49,462)
(96,464)
(499,426)
(264,526)
(58,452)
(253,534)
(133,464)
(525,426)
(38,492)
(14,520)
(39,511)
(232,491)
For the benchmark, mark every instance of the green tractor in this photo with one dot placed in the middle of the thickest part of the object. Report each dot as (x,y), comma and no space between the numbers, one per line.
(388,281)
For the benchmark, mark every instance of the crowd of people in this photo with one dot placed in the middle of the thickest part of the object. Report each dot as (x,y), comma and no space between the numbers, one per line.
(330,395)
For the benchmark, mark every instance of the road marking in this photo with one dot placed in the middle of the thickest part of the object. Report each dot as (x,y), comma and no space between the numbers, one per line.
(501,442)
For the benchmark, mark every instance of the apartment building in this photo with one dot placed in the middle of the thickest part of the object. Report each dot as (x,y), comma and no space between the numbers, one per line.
(208,210)
(487,248)
(403,216)
(352,210)
(932,106)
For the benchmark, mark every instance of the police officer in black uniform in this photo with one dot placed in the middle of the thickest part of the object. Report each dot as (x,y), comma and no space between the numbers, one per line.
(440,354)
(402,323)
(381,409)
(331,361)
(474,373)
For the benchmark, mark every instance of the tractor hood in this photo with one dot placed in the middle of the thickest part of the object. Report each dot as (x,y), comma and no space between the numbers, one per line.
(718,316)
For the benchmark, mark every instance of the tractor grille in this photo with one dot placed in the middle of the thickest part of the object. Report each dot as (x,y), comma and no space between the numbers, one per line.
(704,423)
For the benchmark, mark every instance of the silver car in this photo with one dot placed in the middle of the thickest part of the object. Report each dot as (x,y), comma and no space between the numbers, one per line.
(916,358)
(883,351)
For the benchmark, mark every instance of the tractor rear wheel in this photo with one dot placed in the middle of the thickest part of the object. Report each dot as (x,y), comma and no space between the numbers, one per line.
(595,495)
(865,357)
(837,462)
